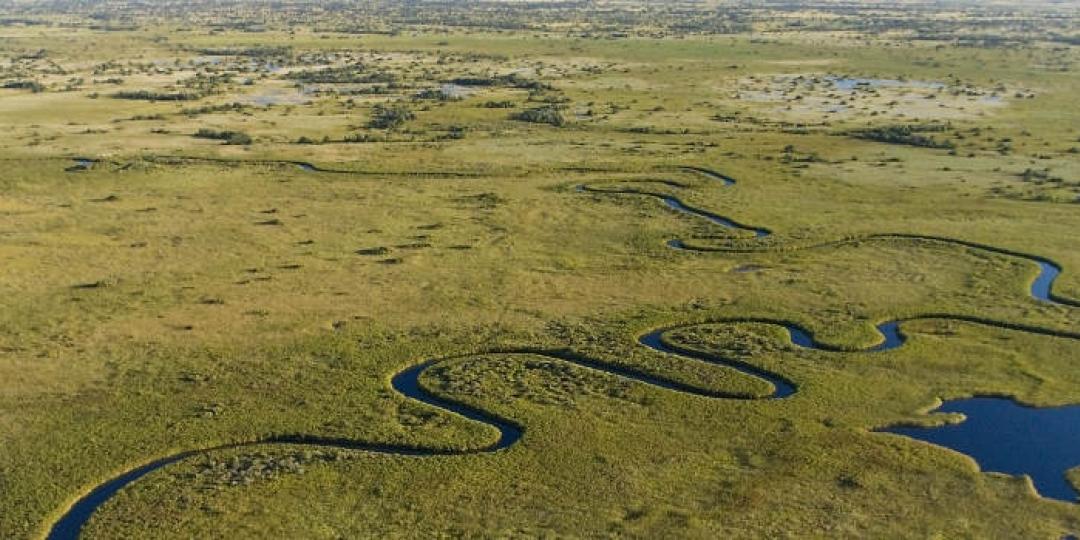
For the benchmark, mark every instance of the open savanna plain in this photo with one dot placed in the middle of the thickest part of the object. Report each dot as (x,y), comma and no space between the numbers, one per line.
(224,245)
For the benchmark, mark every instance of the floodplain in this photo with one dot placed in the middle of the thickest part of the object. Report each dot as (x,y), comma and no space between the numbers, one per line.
(527,270)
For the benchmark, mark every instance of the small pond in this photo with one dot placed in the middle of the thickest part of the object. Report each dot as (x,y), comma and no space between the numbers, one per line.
(1005,436)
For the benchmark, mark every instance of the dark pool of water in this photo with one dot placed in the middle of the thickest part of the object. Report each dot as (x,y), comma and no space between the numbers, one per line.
(893,337)
(1048,272)
(1004,436)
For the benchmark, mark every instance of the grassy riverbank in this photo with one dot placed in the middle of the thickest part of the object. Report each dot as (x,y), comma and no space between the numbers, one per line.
(151,304)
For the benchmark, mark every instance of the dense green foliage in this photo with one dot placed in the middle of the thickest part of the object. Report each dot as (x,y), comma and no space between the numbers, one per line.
(909,135)
(150,95)
(230,137)
(540,115)
(383,117)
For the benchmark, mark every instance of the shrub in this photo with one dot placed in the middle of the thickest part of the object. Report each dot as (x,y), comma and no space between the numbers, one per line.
(230,137)
(390,117)
(512,81)
(157,96)
(343,75)
(32,86)
(907,135)
(226,107)
(541,115)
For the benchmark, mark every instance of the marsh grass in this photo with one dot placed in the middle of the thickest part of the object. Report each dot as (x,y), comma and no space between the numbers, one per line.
(176,293)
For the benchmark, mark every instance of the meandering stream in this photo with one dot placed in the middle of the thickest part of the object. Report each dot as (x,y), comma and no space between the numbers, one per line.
(407,382)
(1040,288)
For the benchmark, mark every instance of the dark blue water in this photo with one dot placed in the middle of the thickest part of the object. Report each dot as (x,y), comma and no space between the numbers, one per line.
(1041,288)
(640,376)
(678,205)
(892,334)
(800,337)
(675,204)
(407,382)
(782,386)
(890,331)
(1048,272)
(1000,434)
(1004,436)
(727,180)
(69,525)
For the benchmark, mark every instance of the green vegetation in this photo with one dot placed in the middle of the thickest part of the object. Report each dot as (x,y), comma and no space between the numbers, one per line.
(149,95)
(33,86)
(909,135)
(230,137)
(393,117)
(391,189)
(350,74)
(541,115)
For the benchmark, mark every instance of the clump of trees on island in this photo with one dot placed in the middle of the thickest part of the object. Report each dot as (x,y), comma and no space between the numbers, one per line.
(390,116)
(32,86)
(344,75)
(511,81)
(230,137)
(910,135)
(541,115)
(151,95)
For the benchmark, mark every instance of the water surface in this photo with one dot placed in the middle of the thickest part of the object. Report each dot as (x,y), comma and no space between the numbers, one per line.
(1004,436)
(851,83)
(1048,272)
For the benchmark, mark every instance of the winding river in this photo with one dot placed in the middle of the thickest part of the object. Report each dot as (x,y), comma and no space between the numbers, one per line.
(407,382)
(1001,434)
(1040,288)
(83,164)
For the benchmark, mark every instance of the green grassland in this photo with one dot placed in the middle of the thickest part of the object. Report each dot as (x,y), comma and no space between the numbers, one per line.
(181,293)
